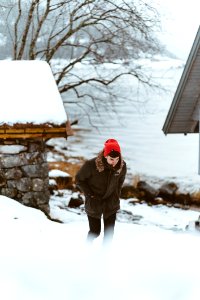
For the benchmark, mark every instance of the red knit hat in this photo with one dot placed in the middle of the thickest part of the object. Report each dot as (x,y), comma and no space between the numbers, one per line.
(111,145)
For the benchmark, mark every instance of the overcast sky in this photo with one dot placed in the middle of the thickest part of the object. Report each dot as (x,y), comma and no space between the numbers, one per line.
(180,22)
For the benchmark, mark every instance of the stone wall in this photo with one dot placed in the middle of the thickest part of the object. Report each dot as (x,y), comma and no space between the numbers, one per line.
(167,194)
(24,172)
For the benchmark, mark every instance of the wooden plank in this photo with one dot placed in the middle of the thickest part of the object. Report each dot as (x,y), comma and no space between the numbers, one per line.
(190,92)
(32,135)
(192,88)
(179,127)
(61,129)
(196,65)
(34,130)
(183,127)
(43,130)
(186,117)
(186,111)
(187,104)
(180,132)
(190,96)
(182,119)
(23,132)
(187,107)
(13,130)
(189,99)
(185,122)
(194,73)
(184,114)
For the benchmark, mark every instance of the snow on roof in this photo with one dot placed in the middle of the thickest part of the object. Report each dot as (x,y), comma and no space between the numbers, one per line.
(29,94)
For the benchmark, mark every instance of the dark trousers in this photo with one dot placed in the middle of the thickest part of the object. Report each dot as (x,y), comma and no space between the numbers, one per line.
(95,228)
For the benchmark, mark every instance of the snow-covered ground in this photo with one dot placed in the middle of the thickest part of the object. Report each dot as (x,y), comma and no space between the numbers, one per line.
(131,212)
(45,260)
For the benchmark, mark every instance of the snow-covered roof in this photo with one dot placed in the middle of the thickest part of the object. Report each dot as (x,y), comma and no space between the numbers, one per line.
(29,94)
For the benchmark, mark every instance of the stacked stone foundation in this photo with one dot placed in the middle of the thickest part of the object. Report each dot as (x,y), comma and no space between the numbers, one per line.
(24,172)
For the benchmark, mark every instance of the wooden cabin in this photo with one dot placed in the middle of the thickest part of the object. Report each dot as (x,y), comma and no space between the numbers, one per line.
(31,112)
(183,116)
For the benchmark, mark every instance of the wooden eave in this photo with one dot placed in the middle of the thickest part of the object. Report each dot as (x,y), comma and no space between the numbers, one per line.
(183,115)
(30,131)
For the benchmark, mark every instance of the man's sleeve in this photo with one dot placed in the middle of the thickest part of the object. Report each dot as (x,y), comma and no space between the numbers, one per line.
(82,177)
(122,178)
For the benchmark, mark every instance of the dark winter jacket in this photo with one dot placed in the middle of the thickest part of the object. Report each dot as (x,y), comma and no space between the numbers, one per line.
(101,185)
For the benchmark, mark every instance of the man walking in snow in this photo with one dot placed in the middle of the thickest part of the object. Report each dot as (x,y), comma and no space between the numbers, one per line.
(101,179)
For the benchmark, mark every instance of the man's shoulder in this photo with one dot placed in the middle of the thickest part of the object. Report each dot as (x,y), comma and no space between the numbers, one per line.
(93,159)
(124,165)
(90,161)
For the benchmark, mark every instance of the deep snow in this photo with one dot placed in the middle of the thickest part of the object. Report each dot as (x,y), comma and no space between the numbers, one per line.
(45,260)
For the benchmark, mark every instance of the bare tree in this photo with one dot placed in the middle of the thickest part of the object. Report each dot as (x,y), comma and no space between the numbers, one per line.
(90,32)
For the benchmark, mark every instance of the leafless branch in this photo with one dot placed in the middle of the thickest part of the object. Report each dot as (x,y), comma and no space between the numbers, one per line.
(26,30)
(93,32)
